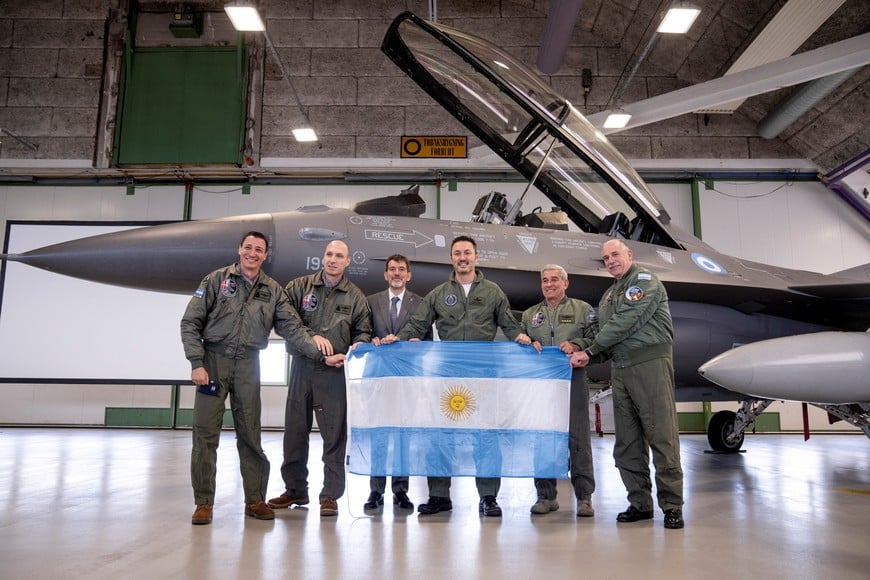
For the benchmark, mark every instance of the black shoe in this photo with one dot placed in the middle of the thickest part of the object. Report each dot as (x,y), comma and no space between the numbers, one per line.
(633,514)
(376,500)
(435,505)
(674,519)
(400,499)
(489,507)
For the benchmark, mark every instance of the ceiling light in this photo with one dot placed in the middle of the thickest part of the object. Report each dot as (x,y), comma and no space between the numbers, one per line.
(244,16)
(678,20)
(304,134)
(618,119)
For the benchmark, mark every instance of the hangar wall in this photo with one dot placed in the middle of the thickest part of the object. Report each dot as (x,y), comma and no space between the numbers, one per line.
(51,58)
(797,225)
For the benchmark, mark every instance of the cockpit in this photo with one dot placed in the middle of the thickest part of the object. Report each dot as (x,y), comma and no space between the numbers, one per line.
(533,128)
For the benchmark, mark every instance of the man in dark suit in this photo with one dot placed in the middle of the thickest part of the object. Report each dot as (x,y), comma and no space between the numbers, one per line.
(391,308)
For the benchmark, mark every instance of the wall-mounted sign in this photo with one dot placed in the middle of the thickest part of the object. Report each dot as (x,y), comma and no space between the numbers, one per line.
(435,147)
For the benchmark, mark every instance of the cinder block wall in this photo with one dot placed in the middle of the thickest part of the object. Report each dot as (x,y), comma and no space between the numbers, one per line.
(51,54)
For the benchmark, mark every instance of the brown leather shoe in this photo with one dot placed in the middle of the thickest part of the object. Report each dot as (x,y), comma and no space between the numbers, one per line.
(201,515)
(259,510)
(328,507)
(285,501)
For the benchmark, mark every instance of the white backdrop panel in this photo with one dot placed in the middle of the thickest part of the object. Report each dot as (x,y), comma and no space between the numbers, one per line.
(54,327)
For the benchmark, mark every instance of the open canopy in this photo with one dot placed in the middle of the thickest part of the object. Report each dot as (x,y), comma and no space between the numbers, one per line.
(530,126)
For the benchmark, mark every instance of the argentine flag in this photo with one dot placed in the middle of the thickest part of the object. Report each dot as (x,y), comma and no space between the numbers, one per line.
(443,408)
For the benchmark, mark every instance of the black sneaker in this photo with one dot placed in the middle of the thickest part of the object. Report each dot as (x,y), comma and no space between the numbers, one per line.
(435,505)
(489,507)
(674,519)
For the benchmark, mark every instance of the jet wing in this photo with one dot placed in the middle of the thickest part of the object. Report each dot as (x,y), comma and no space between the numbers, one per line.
(836,290)
(529,125)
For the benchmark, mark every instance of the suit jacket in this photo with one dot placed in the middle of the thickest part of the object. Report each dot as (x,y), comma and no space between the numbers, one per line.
(379,304)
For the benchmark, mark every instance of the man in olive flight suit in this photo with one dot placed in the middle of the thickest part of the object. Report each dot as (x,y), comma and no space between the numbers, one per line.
(337,315)
(570,324)
(636,333)
(465,307)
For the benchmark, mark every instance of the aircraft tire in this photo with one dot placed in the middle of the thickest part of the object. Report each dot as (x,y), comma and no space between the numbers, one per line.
(721,425)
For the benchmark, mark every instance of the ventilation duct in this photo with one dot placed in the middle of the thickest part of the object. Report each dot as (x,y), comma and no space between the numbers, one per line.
(801,101)
(560,24)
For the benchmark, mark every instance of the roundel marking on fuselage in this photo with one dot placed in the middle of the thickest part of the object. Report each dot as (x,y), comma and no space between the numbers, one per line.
(708,264)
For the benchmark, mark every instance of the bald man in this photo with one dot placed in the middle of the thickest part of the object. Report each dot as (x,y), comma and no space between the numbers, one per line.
(336,313)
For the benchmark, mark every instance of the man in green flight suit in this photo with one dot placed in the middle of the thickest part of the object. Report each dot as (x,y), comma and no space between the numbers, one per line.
(465,307)
(570,324)
(636,333)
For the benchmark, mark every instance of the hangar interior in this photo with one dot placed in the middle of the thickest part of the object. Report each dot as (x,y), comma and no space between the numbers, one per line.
(80,155)
(75,148)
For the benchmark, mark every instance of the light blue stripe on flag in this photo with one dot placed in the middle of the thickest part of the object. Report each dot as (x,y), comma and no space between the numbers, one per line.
(486,409)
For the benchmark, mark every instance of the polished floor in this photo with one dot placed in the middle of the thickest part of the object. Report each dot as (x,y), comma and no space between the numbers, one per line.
(89,503)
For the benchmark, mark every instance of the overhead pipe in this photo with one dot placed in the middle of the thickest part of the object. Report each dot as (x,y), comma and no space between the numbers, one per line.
(801,101)
(560,24)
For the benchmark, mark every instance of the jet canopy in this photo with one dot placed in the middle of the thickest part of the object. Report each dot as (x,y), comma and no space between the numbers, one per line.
(529,125)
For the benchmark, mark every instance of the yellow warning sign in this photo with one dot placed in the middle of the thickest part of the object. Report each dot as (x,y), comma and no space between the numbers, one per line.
(435,147)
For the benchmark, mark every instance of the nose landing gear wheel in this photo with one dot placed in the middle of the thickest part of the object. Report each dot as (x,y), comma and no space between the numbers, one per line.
(720,428)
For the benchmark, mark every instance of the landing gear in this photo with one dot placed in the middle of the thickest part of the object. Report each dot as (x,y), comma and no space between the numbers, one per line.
(727,428)
(720,433)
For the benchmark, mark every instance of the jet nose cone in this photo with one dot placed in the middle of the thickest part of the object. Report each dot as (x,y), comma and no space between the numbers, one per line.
(728,370)
(824,367)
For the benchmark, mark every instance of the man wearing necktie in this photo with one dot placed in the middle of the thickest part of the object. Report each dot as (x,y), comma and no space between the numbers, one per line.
(391,308)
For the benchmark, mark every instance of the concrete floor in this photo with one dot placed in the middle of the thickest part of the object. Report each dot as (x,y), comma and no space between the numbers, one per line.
(96,503)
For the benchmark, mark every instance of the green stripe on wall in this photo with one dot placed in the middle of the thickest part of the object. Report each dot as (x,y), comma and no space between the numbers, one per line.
(694,422)
(153,417)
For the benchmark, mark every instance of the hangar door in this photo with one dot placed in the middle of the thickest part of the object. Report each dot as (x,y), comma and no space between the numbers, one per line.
(182,105)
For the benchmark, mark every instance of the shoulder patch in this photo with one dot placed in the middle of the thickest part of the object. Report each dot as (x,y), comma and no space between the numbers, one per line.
(634,293)
(644,276)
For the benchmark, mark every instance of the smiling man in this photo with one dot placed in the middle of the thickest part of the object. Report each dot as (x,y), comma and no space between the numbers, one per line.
(636,333)
(569,324)
(465,307)
(337,315)
(391,309)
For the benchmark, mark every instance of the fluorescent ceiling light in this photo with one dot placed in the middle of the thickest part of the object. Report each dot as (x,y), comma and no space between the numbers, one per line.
(244,17)
(678,20)
(305,134)
(617,120)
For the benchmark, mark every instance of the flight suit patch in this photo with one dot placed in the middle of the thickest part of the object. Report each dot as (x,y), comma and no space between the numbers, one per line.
(451,300)
(229,287)
(309,302)
(262,294)
(634,293)
(343,309)
(566,319)
(537,319)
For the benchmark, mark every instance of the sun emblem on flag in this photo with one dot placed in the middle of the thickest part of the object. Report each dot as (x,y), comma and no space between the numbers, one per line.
(458,403)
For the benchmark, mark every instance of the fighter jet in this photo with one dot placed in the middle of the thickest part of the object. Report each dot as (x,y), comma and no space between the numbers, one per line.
(797,368)
(717,301)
